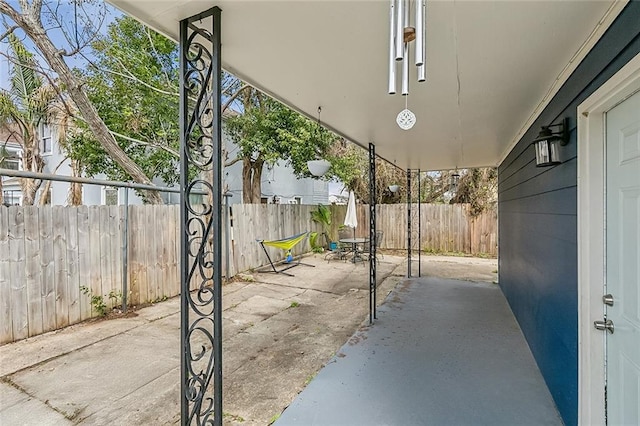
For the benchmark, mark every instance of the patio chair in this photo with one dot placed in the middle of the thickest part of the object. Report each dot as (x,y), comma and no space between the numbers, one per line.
(286,244)
(378,241)
(342,250)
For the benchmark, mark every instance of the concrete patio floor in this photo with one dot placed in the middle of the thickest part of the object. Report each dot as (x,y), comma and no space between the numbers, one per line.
(125,371)
(442,352)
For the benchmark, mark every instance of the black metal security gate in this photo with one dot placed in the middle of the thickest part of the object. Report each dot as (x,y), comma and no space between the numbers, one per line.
(201,219)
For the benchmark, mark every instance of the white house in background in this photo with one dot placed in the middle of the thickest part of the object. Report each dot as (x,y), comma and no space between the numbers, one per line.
(279,184)
(55,162)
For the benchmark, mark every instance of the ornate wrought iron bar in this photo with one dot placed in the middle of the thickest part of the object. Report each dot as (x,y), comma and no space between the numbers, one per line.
(408,223)
(419,224)
(201,220)
(372,234)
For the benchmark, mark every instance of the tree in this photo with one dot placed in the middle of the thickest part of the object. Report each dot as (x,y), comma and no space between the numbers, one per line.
(24,109)
(267,132)
(479,188)
(350,165)
(29,18)
(133,83)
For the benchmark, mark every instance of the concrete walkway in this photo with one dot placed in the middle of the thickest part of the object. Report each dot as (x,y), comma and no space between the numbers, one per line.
(278,331)
(442,352)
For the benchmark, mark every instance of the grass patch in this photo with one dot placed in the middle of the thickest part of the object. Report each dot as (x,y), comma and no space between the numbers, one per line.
(294,304)
(233,417)
(274,418)
(310,378)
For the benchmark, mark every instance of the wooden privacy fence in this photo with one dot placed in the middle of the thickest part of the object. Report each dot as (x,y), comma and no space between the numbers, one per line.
(53,260)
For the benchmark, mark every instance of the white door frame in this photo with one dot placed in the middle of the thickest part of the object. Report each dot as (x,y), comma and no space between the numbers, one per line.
(591,236)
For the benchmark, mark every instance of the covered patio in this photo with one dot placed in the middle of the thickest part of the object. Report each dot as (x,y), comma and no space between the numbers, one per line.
(442,352)
(496,72)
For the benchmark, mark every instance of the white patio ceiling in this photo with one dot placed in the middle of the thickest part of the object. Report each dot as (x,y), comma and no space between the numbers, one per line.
(491,66)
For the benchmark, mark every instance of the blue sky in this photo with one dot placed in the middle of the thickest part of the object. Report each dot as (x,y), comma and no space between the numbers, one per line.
(57,37)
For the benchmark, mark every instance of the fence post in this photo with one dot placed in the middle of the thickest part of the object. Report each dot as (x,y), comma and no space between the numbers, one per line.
(125,251)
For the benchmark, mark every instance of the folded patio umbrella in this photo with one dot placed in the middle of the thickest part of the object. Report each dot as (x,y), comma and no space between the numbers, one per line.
(351,218)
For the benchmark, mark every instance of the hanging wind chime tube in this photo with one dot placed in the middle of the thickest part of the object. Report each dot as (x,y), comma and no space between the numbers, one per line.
(392,49)
(401,34)
(421,37)
(399,28)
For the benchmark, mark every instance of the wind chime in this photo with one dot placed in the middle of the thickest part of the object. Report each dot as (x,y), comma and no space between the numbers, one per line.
(401,33)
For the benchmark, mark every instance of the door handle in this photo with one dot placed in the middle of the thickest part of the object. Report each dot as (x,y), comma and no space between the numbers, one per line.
(604,325)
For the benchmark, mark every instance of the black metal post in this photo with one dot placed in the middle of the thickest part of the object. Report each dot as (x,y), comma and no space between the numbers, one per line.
(419,226)
(372,234)
(409,223)
(201,220)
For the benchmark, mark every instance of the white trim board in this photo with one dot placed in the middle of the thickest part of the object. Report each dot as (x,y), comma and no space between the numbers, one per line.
(591,236)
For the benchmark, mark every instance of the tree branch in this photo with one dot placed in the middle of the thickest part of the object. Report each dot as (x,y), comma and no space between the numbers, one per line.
(233,97)
(234,161)
(143,143)
(9,31)
(129,76)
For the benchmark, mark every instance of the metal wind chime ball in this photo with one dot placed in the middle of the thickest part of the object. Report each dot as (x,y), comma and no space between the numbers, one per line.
(406,119)
(401,33)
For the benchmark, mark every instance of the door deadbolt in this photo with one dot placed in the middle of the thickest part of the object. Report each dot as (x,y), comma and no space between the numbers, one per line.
(604,325)
(607,299)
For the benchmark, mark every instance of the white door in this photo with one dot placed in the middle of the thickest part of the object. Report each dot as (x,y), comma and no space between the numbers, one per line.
(623,262)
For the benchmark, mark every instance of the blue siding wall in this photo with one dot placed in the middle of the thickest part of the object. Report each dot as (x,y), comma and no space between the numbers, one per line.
(538,222)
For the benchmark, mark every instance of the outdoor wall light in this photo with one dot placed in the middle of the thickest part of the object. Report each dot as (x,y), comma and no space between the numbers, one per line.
(394,188)
(547,144)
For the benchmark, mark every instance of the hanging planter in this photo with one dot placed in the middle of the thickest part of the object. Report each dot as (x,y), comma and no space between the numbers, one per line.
(318,167)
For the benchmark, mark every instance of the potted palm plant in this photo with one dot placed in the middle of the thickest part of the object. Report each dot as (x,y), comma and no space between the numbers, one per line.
(322,215)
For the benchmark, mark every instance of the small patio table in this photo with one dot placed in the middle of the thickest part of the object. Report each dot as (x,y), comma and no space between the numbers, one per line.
(355,242)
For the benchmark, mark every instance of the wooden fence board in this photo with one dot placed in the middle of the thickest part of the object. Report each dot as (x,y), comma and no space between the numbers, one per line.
(105,241)
(177,261)
(60,264)
(48,268)
(84,261)
(73,264)
(95,247)
(158,255)
(33,270)
(137,271)
(115,232)
(166,279)
(19,293)
(6,330)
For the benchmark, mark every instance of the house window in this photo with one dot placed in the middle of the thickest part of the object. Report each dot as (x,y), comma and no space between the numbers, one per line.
(46,143)
(11,163)
(264,200)
(10,160)
(12,198)
(296,200)
(110,197)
